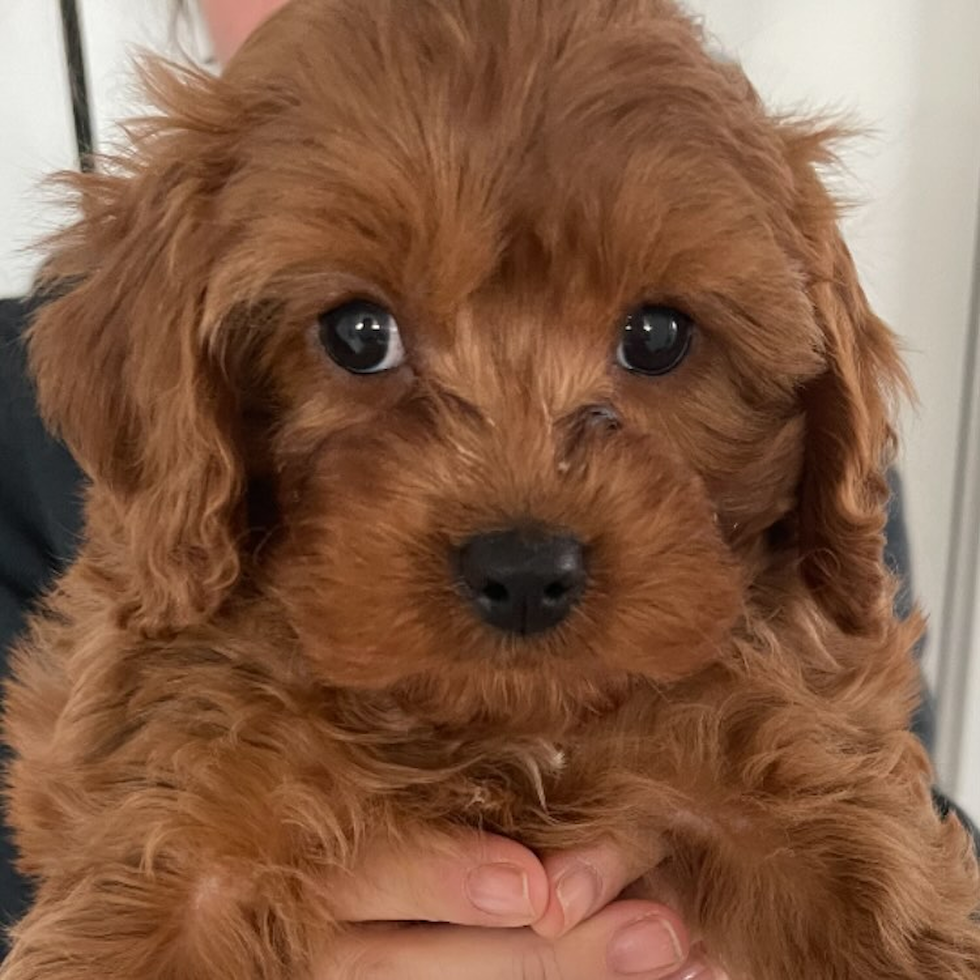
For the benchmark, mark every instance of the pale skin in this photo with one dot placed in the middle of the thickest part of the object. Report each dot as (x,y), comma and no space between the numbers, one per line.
(498,911)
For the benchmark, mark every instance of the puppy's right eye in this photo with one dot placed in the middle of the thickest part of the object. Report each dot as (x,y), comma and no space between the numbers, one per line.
(655,340)
(361,337)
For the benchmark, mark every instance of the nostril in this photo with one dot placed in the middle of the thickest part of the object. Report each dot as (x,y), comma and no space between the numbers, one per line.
(496,592)
(556,591)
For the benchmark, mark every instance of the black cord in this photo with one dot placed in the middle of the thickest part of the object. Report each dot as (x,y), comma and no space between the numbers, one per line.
(80,105)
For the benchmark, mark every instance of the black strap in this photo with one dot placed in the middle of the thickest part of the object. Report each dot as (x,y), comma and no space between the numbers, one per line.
(75,59)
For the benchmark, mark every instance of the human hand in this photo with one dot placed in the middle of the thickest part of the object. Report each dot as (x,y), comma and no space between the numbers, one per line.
(231,21)
(587,881)
(495,912)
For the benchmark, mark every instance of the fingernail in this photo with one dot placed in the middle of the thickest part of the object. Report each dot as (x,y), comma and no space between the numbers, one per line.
(499,889)
(698,971)
(645,945)
(578,892)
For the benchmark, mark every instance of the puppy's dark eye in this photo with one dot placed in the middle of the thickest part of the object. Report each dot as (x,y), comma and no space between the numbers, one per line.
(655,339)
(361,337)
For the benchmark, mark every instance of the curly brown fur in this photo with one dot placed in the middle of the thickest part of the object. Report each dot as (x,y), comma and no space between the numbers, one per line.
(260,664)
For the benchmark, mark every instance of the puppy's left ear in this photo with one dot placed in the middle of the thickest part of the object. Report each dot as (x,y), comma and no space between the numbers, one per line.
(850,438)
(126,369)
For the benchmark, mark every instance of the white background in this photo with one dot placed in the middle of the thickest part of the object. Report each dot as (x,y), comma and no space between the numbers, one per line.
(907,69)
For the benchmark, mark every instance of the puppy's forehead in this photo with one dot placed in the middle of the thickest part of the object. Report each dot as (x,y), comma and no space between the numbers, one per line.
(439,144)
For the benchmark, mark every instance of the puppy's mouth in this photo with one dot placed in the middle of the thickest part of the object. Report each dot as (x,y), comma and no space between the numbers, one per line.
(521,580)
(474,591)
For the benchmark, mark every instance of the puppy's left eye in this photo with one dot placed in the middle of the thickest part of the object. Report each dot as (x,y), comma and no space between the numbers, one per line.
(361,337)
(655,339)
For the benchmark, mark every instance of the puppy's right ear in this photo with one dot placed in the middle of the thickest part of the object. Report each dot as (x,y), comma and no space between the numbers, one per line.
(124,367)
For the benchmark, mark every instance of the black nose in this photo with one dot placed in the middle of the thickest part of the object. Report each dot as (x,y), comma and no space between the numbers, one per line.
(523,581)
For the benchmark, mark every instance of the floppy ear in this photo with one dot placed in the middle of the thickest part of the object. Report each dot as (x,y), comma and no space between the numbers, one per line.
(850,440)
(124,372)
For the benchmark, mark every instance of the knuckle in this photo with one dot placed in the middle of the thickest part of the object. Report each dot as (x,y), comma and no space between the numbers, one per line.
(541,962)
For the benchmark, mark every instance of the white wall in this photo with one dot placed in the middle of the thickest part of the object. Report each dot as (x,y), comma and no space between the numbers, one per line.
(117,32)
(966,776)
(36,136)
(908,69)
(960,735)
(35,130)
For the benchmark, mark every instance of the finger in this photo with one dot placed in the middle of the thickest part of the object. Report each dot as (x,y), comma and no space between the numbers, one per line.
(470,879)
(622,941)
(584,881)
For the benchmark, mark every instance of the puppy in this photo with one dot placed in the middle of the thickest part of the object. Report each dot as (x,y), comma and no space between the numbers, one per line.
(485,426)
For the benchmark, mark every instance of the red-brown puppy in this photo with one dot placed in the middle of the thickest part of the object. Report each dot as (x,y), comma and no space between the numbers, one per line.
(485,426)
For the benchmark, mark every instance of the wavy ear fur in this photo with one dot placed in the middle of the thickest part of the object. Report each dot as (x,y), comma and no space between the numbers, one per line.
(123,368)
(850,436)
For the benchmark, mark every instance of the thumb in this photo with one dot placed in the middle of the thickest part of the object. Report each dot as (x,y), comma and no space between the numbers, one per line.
(583,882)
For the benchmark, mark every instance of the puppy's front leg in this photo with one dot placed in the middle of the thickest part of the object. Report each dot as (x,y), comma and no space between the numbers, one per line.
(124,923)
(845,882)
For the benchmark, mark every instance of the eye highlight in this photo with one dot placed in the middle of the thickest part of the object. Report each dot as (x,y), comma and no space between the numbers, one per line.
(655,340)
(361,337)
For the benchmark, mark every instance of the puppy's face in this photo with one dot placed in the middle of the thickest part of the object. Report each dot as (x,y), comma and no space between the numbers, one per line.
(533,331)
